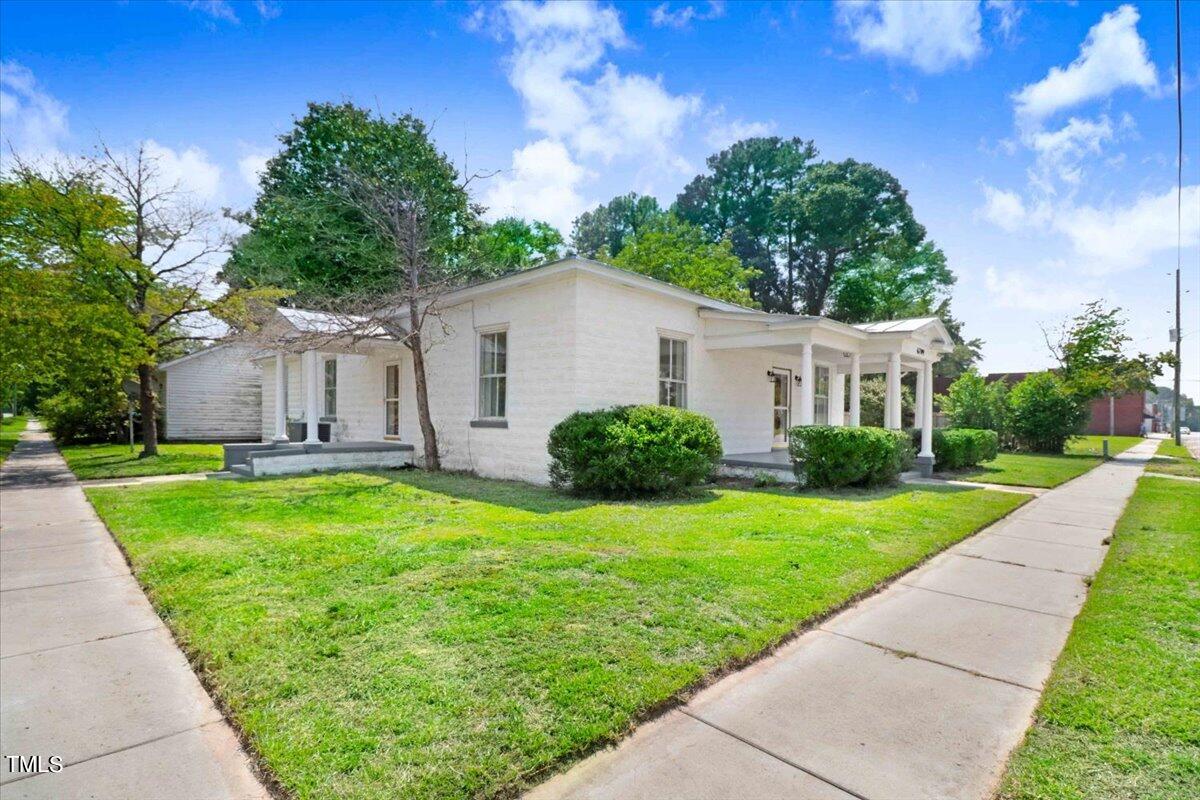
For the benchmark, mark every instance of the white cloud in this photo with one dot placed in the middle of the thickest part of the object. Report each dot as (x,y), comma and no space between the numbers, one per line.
(188,169)
(251,168)
(932,35)
(1113,56)
(1062,151)
(1004,209)
(663,16)
(1020,291)
(557,47)
(724,133)
(217,9)
(267,9)
(1008,14)
(1124,237)
(543,184)
(34,123)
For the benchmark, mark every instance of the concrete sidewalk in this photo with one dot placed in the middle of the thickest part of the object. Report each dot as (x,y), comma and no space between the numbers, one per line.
(920,691)
(88,672)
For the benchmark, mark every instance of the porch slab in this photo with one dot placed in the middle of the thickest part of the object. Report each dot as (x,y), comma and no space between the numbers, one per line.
(871,721)
(1041,555)
(1059,593)
(992,640)
(694,760)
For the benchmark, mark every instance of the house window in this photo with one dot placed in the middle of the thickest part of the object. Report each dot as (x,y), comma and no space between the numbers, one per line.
(493,374)
(672,372)
(331,387)
(391,400)
(821,396)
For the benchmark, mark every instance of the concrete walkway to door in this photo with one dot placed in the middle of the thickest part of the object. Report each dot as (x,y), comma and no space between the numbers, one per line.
(88,672)
(920,691)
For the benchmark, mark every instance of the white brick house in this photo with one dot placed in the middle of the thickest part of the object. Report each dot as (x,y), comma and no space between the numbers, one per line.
(576,334)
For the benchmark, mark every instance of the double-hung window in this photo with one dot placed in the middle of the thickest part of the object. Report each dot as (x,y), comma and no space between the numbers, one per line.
(672,372)
(331,387)
(391,400)
(493,374)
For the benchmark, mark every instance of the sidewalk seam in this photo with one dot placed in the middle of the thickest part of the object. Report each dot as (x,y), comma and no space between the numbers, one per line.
(775,756)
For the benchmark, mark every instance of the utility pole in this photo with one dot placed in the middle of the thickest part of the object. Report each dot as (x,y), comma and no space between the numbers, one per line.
(1178,215)
(1178,359)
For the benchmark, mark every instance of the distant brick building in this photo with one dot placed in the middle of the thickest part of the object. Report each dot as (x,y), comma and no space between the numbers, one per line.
(1116,416)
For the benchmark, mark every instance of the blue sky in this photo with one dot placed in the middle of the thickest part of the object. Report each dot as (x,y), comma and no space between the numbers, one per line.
(1037,141)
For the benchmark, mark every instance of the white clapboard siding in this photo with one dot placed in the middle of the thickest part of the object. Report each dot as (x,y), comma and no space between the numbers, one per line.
(213,395)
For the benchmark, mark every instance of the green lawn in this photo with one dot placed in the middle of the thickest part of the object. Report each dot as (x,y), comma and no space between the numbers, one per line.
(1174,459)
(10,432)
(1032,469)
(92,461)
(1121,714)
(382,635)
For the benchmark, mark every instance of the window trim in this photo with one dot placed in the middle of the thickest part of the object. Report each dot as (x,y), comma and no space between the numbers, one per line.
(326,414)
(685,340)
(399,393)
(480,377)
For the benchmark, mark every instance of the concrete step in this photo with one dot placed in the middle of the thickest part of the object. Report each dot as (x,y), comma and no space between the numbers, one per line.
(245,470)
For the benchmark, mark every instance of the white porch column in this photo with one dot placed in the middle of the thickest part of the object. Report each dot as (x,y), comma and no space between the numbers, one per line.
(806,384)
(892,416)
(919,405)
(925,457)
(837,397)
(855,390)
(280,399)
(312,397)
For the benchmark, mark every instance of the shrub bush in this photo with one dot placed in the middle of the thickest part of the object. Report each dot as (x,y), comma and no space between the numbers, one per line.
(825,456)
(972,402)
(98,417)
(956,448)
(633,451)
(873,396)
(1044,413)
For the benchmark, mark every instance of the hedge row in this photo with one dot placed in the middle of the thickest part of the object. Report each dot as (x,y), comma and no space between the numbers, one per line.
(633,451)
(826,456)
(957,448)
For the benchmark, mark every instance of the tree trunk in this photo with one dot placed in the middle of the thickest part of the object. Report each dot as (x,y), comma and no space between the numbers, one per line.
(146,401)
(433,462)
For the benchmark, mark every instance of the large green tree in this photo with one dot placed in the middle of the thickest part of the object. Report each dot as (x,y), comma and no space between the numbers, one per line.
(512,244)
(678,252)
(366,219)
(845,212)
(893,282)
(604,231)
(303,238)
(737,200)
(63,336)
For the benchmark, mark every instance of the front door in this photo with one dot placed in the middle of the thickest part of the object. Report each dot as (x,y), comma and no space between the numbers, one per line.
(782,393)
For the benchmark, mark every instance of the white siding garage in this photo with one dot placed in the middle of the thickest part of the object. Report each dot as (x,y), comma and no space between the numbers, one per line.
(212,395)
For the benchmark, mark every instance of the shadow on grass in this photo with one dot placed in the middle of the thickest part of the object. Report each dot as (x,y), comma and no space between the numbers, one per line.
(850,494)
(460,486)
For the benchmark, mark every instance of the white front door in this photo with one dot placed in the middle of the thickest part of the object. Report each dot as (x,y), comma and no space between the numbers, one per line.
(782,399)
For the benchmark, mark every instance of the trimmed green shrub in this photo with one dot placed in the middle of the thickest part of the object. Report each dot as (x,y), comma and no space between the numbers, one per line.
(826,456)
(972,402)
(633,451)
(96,417)
(956,448)
(1044,413)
